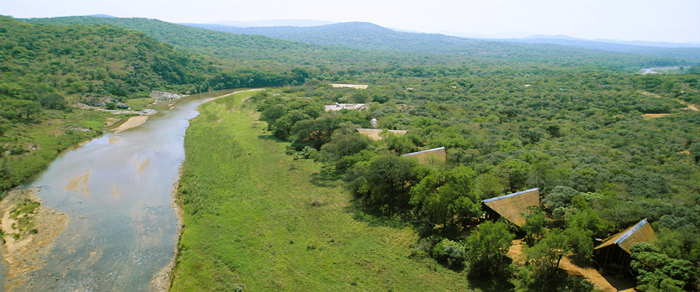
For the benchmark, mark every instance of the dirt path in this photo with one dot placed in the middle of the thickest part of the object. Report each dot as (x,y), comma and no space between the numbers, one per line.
(654,116)
(689,106)
(24,250)
(603,284)
(516,252)
(591,275)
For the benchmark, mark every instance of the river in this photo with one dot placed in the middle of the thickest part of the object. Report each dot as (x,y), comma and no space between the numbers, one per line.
(117,192)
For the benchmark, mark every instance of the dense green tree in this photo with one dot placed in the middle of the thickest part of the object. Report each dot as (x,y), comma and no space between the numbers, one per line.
(450,253)
(546,254)
(558,200)
(487,248)
(447,196)
(659,272)
(385,181)
(535,224)
(282,127)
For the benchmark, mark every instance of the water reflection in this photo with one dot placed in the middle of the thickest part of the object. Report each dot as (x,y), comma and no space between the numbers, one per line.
(116,189)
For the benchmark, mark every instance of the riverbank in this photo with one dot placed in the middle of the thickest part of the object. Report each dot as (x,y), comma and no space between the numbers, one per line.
(34,146)
(256,219)
(28,231)
(161,281)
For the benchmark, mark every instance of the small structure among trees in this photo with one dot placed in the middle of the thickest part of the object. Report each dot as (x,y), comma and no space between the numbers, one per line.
(375,134)
(356,86)
(347,106)
(430,155)
(512,206)
(614,253)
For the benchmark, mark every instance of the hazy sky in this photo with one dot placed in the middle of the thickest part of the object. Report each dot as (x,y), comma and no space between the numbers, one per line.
(649,20)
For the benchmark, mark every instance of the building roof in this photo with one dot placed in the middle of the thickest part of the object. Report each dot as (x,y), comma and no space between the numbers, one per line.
(425,151)
(430,155)
(374,134)
(356,86)
(641,232)
(512,205)
(348,106)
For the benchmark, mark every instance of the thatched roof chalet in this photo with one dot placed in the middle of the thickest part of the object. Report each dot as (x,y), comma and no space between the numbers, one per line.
(512,206)
(430,155)
(641,232)
(614,252)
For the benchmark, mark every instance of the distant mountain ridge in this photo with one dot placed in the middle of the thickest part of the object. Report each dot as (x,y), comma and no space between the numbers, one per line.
(363,35)
(350,44)
(101,15)
(275,22)
(683,51)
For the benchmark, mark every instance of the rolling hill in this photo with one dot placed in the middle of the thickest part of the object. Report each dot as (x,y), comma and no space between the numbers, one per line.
(244,50)
(689,53)
(357,44)
(44,70)
(362,35)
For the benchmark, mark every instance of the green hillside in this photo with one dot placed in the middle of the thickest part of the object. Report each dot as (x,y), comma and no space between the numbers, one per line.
(45,70)
(358,45)
(606,147)
(259,51)
(368,36)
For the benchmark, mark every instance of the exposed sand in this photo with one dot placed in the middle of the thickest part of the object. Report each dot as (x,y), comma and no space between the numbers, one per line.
(115,192)
(131,123)
(80,184)
(654,116)
(114,140)
(142,165)
(20,256)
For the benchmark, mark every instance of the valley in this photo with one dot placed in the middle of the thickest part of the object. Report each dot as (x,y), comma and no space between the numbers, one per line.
(170,173)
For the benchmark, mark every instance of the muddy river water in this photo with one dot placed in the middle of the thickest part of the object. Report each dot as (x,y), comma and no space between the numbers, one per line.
(117,192)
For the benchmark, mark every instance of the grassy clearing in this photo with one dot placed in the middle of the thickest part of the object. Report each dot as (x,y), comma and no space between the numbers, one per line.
(256,219)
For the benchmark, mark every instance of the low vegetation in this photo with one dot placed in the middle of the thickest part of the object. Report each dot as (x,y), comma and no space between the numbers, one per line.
(258,219)
(594,181)
(279,195)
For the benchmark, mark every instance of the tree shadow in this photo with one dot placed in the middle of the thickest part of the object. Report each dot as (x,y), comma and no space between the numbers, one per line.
(374,217)
(269,138)
(495,283)
(583,262)
(319,180)
(620,282)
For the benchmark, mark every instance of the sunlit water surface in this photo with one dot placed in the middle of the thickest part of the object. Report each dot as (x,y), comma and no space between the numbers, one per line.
(117,191)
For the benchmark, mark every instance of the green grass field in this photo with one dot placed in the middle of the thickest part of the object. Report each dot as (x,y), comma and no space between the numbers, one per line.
(250,223)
